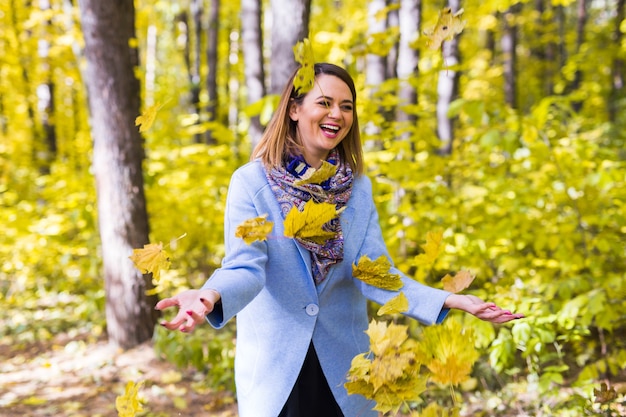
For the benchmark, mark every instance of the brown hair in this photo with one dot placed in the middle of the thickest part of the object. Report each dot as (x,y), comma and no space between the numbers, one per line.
(280,139)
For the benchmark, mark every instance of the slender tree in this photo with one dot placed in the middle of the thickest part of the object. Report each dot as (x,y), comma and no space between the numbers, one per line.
(212,63)
(113,91)
(290,24)
(408,57)
(509,46)
(252,45)
(618,86)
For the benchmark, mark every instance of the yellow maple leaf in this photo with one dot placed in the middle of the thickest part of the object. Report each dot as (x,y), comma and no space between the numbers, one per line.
(432,248)
(151,259)
(308,224)
(318,176)
(457,283)
(448,351)
(398,304)
(376,273)
(147,118)
(254,229)
(448,25)
(128,405)
(305,76)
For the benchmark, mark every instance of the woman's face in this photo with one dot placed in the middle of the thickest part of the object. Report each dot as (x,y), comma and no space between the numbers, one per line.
(324,117)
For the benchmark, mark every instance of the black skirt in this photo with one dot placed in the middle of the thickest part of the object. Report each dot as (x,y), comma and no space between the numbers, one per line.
(311,395)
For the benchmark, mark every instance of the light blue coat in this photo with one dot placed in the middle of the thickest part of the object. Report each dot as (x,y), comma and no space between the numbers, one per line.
(269,287)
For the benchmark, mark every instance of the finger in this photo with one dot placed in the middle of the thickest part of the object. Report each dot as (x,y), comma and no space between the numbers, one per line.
(165,303)
(175,323)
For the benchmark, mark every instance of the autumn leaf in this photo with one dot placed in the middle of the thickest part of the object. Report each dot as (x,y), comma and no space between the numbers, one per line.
(151,259)
(147,118)
(317,176)
(305,76)
(128,405)
(460,281)
(254,229)
(376,273)
(389,374)
(604,394)
(448,25)
(398,304)
(448,351)
(432,248)
(308,223)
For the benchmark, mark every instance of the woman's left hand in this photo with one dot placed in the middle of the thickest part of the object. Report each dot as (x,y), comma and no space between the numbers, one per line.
(481,309)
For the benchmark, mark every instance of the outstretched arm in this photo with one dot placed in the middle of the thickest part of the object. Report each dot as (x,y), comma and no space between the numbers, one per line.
(479,308)
(193,306)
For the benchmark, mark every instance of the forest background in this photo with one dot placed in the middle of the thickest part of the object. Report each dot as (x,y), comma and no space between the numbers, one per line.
(508,141)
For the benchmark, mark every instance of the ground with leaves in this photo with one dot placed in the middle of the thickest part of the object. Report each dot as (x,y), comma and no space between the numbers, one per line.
(75,376)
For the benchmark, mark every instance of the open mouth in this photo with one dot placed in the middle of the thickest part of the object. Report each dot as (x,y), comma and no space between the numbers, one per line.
(332,129)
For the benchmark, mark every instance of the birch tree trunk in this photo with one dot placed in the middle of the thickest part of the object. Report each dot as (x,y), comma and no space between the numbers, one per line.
(254,69)
(447,89)
(290,24)
(113,91)
(212,63)
(408,58)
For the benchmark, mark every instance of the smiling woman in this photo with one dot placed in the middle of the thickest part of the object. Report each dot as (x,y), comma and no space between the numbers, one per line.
(301,313)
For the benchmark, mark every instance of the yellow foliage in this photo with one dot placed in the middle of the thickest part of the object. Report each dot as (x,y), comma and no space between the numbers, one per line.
(398,304)
(128,405)
(432,248)
(389,374)
(147,118)
(254,229)
(457,283)
(448,25)
(376,273)
(308,223)
(152,258)
(305,77)
(318,176)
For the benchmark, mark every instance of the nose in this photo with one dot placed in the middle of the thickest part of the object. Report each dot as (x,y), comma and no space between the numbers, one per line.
(334,111)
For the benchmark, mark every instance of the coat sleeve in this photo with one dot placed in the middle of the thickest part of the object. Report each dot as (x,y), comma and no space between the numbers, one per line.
(425,303)
(242,274)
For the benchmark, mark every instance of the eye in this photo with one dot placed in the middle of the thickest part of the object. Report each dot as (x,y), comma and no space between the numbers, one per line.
(324,103)
(347,107)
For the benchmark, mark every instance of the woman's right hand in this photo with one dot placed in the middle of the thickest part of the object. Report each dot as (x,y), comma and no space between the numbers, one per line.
(193,306)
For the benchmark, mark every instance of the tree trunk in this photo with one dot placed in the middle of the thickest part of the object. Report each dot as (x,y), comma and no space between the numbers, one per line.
(408,58)
(212,63)
(617,67)
(113,91)
(252,44)
(447,89)
(581,22)
(375,70)
(290,24)
(509,45)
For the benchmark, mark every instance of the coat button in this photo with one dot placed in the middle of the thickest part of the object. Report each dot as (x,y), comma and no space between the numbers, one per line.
(312,309)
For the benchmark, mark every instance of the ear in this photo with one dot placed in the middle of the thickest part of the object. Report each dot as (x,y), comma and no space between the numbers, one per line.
(293,111)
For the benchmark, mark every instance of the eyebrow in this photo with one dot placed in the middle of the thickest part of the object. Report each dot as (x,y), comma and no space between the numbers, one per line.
(331,99)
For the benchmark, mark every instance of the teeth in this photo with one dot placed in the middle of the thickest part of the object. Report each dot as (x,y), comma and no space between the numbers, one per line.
(335,128)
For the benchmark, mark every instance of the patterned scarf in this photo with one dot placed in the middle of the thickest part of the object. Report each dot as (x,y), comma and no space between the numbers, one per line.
(335,190)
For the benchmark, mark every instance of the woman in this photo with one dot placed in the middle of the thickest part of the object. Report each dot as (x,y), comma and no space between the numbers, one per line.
(301,315)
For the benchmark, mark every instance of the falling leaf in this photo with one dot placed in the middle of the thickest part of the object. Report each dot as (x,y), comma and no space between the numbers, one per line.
(604,394)
(305,76)
(460,281)
(432,248)
(128,405)
(147,118)
(254,229)
(151,259)
(448,25)
(398,304)
(308,223)
(376,273)
(389,374)
(448,351)
(318,176)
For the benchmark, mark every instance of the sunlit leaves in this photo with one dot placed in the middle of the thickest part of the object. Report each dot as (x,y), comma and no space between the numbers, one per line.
(389,373)
(147,118)
(398,304)
(448,351)
(128,405)
(448,25)
(457,283)
(254,229)
(151,259)
(308,224)
(317,176)
(305,76)
(432,249)
(376,273)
